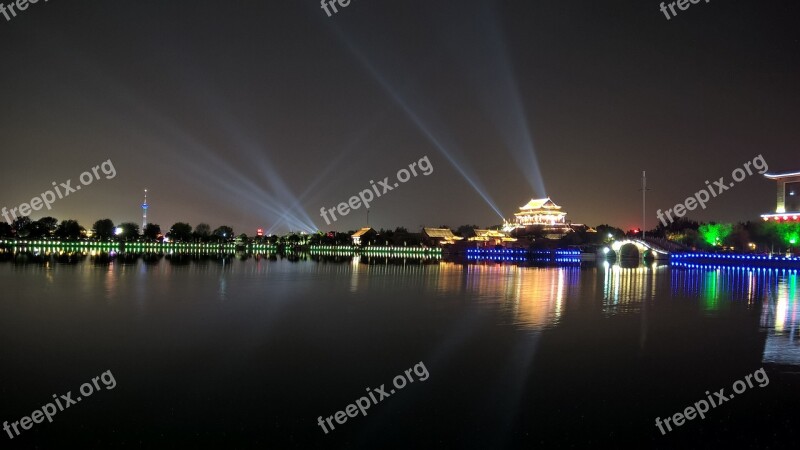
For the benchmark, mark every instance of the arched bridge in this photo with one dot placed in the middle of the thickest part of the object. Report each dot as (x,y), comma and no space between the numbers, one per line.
(657,251)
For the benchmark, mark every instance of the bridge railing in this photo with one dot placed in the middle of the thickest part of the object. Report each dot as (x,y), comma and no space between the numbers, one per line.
(667,245)
(641,245)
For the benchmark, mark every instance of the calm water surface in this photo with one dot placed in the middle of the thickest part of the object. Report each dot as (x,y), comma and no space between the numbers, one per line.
(248,353)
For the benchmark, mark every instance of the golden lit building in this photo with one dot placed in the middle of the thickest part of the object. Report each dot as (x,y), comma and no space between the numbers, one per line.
(542,211)
(363,234)
(439,236)
(542,215)
(490,238)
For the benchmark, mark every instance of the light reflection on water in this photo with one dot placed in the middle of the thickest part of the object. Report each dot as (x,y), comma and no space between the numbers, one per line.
(629,286)
(535,298)
(507,341)
(780,318)
(534,295)
(773,290)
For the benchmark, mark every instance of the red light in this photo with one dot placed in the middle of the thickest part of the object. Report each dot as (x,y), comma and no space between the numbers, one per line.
(260,232)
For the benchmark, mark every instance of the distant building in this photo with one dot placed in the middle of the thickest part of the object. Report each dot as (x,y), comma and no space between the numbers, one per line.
(787,208)
(439,236)
(363,235)
(490,238)
(541,211)
(540,216)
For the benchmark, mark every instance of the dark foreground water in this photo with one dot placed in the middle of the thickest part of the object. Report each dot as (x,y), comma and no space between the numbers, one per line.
(248,354)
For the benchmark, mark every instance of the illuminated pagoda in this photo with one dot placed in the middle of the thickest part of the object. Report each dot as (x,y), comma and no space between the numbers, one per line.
(788,205)
(540,215)
(541,211)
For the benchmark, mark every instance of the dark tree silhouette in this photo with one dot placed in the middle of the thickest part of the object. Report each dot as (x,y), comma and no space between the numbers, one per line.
(103,229)
(42,228)
(223,234)
(202,232)
(49,224)
(466,231)
(151,231)
(5,230)
(69,230)
(22,226)
(129,231)
(180,232)
(604,230)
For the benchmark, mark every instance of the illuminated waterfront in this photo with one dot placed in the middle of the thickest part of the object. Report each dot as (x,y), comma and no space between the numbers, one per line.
(521,354)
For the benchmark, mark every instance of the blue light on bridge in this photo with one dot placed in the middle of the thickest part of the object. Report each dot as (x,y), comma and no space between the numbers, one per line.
(513,254)
(745,262)
(733,257)
(732,268)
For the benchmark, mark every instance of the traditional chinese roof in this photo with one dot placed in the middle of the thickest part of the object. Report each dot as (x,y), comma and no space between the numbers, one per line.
(540,203)
(488,233)
(485,235)
(362,232)
(443,233)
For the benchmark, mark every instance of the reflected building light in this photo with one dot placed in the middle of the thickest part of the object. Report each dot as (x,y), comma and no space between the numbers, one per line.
(355,269)
(781,308)
(223,283)
(653,279)
(629,286)
(560,293)
(780,318)
(533,296)
(785,295)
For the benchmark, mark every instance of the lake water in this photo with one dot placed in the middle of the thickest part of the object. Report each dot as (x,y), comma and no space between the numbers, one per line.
(249,353)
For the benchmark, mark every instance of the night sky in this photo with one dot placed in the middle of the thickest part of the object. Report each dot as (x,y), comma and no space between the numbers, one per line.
(259,113)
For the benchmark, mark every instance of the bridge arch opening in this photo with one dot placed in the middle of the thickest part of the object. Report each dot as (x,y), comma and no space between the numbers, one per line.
(629,251)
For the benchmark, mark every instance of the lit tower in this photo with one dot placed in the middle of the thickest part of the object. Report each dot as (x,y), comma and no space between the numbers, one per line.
(144,211)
